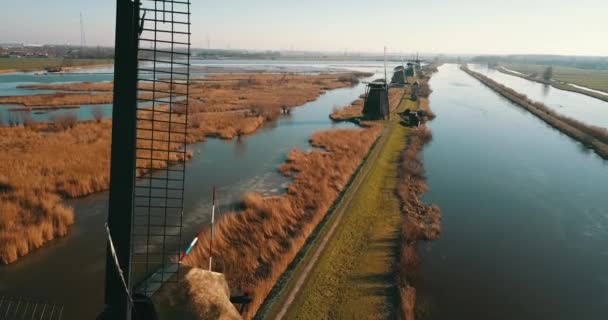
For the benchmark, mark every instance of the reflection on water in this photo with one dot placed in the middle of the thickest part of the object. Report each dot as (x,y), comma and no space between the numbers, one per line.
(546,89)
(525,218)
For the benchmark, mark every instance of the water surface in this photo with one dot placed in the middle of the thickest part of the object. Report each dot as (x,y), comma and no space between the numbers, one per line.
(575,105)
(525,212)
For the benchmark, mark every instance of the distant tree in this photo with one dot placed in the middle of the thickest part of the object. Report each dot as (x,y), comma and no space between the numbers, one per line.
(548,75)
(65,121)
(97,113)
(27,119)
(14,119)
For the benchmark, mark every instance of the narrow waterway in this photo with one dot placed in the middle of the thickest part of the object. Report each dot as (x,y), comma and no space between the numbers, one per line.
(70,270)
(525,213)
(575,105)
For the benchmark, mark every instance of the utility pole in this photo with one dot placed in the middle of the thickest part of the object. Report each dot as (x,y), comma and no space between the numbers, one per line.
(385,78)
(83,41)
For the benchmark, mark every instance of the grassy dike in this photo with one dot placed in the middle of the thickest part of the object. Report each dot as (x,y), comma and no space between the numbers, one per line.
(354,274)
(558,85)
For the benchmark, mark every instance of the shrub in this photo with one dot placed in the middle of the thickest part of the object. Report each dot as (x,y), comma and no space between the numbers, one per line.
(65,120)
(28,121)
(14,119)
(97,113)
(351,79)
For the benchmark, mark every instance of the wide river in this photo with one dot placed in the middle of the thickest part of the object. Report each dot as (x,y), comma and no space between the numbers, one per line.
(525,212)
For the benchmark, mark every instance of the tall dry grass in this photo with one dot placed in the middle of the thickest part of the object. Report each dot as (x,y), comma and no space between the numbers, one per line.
(421,221)
(78,86)
(28,220)
(65,158)
(61,159)
(591,136)
(254,246)
(228,106)
(38,167)
(58,99)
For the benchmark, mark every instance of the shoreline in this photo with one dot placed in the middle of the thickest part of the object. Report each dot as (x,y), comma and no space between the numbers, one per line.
(287,289)
(595,138)
(560,85)
(71,68)
(335,257)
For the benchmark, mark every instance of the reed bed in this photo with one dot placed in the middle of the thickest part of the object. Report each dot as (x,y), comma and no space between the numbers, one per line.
(48,162)
(39,166)
(65,158)
(591,136)
(228,106)
(420,221)
(254,246)
(70,99)
(58,99)
(352,111)
(76,86)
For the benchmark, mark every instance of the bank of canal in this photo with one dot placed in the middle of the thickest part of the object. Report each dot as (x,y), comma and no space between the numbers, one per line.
(525,218)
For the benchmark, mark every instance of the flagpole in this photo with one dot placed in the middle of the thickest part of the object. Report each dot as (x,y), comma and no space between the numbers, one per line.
(212,223)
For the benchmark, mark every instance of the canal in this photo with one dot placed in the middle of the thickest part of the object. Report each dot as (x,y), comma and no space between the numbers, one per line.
(525,213)
(574,105)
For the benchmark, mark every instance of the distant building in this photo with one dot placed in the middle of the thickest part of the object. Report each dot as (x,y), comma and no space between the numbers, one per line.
(376,106)
(411,70)
(399,77)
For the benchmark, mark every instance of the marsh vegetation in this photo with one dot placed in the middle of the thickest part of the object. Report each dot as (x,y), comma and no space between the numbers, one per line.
(254,246)
(44,162)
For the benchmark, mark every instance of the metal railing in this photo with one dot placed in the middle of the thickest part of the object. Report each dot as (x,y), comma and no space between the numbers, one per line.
(19,308)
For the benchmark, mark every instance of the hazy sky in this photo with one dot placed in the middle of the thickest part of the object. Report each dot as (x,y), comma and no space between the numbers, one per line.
(438,26)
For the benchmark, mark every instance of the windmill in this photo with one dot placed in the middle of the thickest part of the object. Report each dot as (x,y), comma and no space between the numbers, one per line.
(144,226)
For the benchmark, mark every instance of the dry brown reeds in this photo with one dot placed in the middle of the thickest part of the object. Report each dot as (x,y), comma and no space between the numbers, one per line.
(228,106)
(69,159)
(424,90)
(58,99)
(60,159)
(37,167)
(65,120)
(421,221)
(591,136)
(352,111)
(76,86)
(254,246)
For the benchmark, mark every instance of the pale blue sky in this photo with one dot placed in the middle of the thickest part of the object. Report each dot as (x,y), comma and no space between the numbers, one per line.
(438,26)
